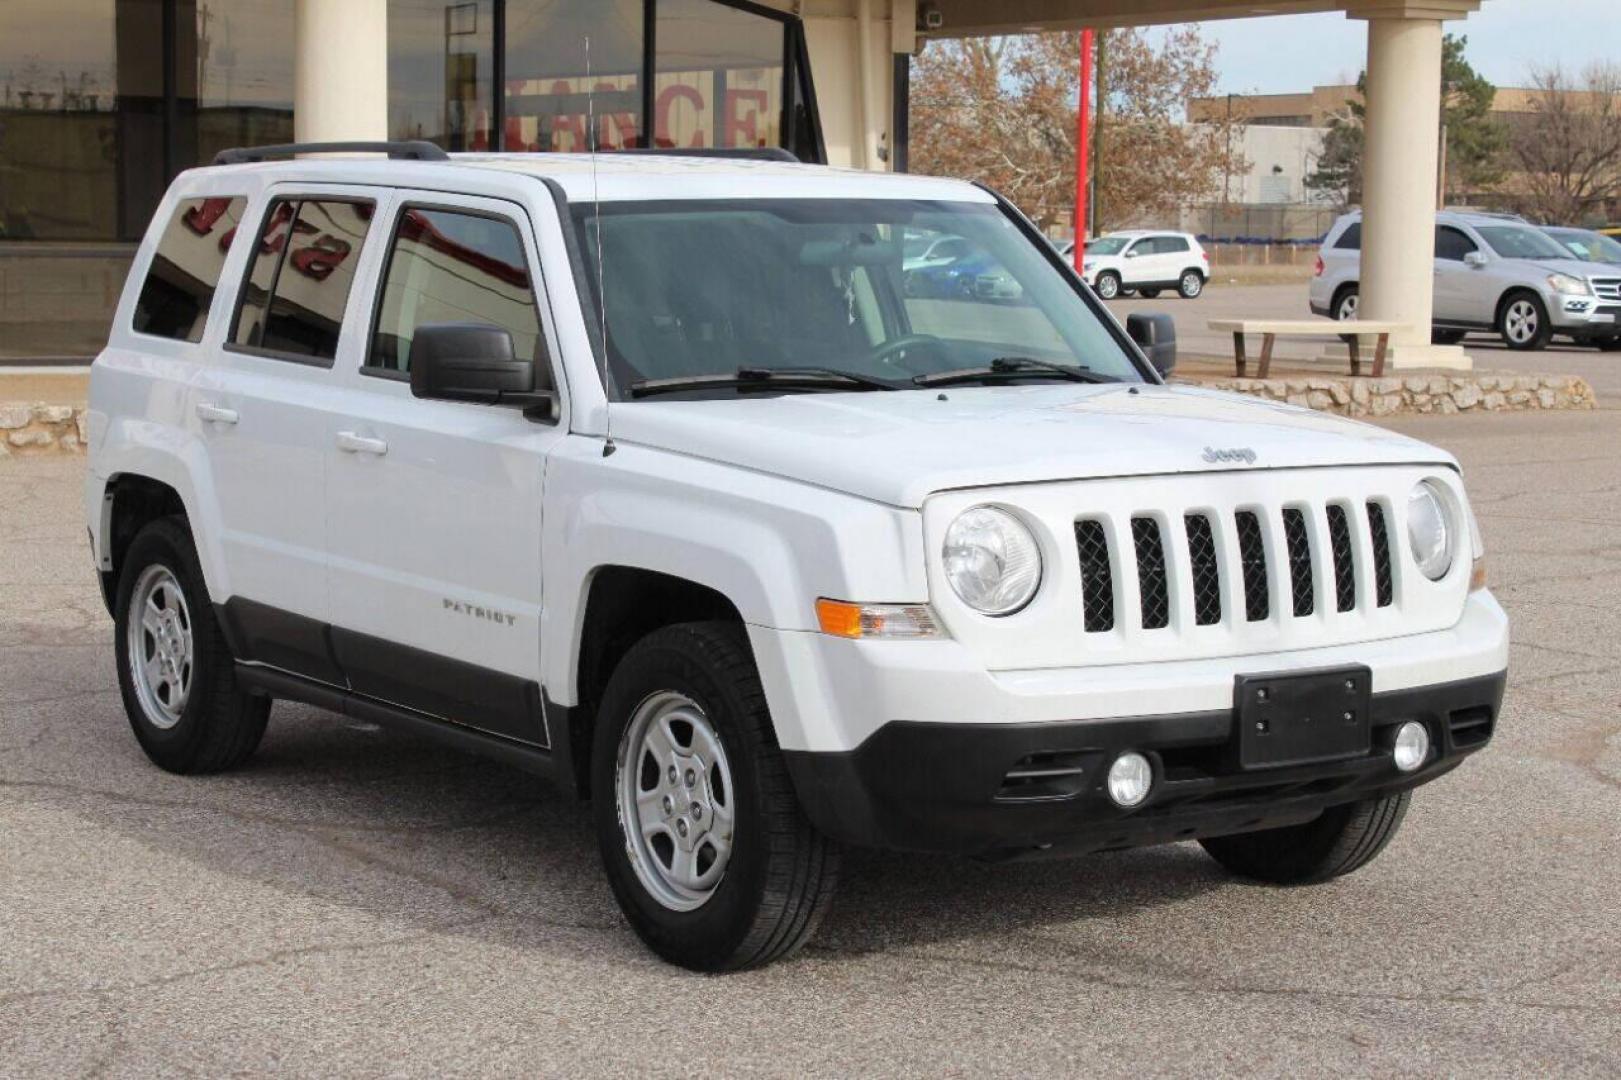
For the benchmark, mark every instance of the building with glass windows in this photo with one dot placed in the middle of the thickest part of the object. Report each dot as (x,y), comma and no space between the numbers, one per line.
(102,102)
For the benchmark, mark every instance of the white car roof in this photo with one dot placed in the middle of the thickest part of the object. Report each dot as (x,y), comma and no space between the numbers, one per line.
(614,177)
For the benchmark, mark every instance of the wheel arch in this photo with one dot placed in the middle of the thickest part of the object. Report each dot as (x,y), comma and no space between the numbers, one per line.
(130,502)
(624,604)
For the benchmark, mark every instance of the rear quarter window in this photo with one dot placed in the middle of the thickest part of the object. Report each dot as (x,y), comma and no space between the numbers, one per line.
(1350,239)
(185,271)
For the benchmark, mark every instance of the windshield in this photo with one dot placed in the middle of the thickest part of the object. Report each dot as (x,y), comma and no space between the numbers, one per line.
(696,289)
(1107,245)
(1520,242)
(1590,246)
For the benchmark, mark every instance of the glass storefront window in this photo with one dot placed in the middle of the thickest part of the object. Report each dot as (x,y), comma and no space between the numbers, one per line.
(60,120)
(441,72)
(548,96)
(243,89)
(718,76)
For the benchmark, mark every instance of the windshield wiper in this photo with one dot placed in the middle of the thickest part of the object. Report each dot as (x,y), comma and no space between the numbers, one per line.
(1004,367)
(798,378)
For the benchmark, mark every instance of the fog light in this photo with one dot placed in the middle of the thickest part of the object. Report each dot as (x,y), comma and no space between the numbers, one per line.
(1130,777)
(1412,745)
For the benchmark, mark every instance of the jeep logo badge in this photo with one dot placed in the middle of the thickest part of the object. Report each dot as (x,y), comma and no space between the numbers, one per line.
(1234,454)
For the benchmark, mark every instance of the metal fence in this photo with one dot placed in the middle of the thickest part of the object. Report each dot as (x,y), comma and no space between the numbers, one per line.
(1266,224)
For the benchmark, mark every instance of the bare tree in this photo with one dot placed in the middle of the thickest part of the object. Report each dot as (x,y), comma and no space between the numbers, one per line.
(1568,151)
(1002,110)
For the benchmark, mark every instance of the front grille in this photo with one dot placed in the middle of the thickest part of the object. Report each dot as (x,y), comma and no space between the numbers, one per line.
(1607,288)
(1339,538)
(1206,570)
(1097,578)
(1252,553)
(1300,575)
(1205,567)
(1151,584)
(1384,588)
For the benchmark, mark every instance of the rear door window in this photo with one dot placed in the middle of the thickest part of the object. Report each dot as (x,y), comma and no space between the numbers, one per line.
(1171,245)
(298,283)
(185,270)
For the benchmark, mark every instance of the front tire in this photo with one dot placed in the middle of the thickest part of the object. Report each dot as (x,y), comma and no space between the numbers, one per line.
(1345,838)
(701,833)
(175,671)
(1108,285)
(1523,322)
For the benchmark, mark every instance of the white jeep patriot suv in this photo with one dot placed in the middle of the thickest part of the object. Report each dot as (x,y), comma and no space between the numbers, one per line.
(644,473)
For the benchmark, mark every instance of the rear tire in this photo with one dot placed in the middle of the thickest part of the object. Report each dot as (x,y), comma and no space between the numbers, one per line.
(691,694)
(1343,839)
(1191,285)
(175,671)
(1108,285)
(1522,320)
(1346,303)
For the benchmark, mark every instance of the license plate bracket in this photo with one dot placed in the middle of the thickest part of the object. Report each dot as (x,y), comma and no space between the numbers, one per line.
(1302,717)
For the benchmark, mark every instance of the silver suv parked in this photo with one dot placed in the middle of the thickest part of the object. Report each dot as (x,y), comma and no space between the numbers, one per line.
(1492,273)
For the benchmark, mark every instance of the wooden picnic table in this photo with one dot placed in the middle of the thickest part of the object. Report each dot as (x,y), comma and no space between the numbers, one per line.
(1271,329)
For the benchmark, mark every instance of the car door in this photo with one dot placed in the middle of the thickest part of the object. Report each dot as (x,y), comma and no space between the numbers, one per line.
(263,407)
(1456,283)
(1136,262)
(434,507)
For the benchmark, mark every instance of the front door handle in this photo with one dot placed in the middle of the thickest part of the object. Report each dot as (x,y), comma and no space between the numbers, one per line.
(216,414)
(352,442)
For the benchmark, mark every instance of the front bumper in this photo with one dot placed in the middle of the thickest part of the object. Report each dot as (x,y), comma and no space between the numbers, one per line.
(923,786)
(1585,317)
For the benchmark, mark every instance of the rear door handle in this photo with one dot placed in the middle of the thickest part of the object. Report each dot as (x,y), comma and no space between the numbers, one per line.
(351,442)
(215,414)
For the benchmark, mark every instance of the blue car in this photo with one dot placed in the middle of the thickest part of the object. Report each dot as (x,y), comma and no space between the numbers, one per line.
(973,277)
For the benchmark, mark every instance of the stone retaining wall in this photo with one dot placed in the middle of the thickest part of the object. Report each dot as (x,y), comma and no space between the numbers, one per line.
(1483,391)
(40,429)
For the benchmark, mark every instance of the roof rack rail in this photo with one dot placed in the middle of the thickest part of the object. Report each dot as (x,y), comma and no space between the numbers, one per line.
(406,150)
(747,153)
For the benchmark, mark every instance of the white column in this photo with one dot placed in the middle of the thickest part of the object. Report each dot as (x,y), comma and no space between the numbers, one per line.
(851,46)
(340,70)
(1399,161)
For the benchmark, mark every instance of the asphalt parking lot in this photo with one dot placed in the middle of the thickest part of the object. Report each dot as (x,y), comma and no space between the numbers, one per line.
(355,904)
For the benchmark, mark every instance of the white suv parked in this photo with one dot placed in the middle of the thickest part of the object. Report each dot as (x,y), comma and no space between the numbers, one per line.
(645,475)
(1145,262)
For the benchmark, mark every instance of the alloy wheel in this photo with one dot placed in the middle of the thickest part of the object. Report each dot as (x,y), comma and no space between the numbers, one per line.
(161,647)
(1348,307)
(1520,321)
(674,790)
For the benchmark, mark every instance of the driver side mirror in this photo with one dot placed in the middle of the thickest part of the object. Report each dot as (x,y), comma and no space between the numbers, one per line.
(1474,260)
(1155,334)
(475,362)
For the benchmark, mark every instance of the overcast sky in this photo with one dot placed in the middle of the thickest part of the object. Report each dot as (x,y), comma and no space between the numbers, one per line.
(1295,52)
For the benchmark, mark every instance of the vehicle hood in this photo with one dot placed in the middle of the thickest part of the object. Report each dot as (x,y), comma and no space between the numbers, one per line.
(898,448)
(1574,267)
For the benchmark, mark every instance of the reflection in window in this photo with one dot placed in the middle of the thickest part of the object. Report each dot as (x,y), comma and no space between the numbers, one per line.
(243,90)
(441,71)
(718,79)
(299,282)
(452,267)
(548,98)
(185,270)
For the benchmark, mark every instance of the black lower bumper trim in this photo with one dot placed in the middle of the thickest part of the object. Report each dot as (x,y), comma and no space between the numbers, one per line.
(1024,789)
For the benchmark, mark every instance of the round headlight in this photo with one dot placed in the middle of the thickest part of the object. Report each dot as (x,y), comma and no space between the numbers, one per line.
(1429,530)
(992,561)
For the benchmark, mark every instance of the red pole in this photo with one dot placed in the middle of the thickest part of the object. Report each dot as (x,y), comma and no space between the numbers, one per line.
(1082,164)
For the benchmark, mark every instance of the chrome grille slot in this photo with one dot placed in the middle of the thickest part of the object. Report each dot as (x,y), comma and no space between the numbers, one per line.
(1153,590)
(1339,538)
(1097,577)
(1384,588)
(1607,288)
(1301,584)
(1206,570)
(1252,554)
